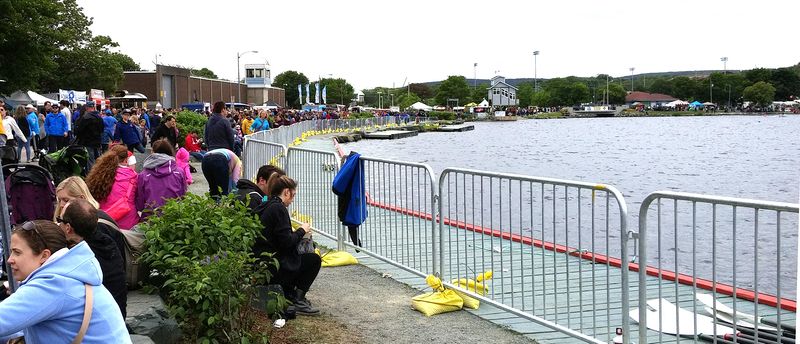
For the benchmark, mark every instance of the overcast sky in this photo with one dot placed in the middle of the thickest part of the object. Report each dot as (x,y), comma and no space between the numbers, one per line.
(384,43)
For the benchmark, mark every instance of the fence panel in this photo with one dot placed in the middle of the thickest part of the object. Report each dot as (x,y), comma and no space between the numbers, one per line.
(716,247)
(399,228)
(314,171)
(541,239)
(257,153)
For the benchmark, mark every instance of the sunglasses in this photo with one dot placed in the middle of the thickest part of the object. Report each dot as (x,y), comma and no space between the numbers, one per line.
(31,226)
(60,221)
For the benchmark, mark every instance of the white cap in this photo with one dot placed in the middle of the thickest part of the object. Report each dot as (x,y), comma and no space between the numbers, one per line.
(29,106)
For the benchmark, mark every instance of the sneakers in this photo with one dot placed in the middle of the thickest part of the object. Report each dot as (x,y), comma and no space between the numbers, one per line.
(302,306)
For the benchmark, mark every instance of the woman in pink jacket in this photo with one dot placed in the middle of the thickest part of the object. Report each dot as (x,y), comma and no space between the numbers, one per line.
(112,182)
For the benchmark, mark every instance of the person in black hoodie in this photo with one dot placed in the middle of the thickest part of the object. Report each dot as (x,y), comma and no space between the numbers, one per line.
(218,133)
(252,194)
(88,132)
(297,271)
(79,220)
(166,130)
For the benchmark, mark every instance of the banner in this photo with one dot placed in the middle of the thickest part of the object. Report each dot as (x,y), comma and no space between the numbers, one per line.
(97,94)
(299,93)
(325,95)
(308,94)
(72,96)
(316,94)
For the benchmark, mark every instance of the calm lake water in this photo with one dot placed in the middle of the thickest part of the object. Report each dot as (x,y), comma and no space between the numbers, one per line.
(754,157)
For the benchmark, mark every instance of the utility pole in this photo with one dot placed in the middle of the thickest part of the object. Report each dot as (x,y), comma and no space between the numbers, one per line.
(535,77)
(724,60)
(631,69)
(475,75)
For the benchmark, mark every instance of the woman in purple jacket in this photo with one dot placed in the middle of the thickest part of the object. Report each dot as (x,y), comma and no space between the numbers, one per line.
(160,180)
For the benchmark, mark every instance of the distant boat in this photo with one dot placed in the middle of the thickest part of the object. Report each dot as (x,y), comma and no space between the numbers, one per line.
(595,110)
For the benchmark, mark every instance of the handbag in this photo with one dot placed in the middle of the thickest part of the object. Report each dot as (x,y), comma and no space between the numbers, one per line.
(306,245)
(122,205)
(135,271)
(87,315)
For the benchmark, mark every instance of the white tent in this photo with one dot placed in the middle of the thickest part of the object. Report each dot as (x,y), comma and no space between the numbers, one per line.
(420,106)
(39,99)
(675,103)
(484,103)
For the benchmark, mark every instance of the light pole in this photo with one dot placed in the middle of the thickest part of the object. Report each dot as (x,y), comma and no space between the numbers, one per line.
(379,99)
(711,92)
(535,83)
(475,75)
(631,69)
(392,95)
(724,64)
(238,76)
(607,95)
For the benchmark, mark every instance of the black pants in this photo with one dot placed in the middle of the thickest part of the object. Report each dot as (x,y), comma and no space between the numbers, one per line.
(215,169)
(55,142)
(310,263)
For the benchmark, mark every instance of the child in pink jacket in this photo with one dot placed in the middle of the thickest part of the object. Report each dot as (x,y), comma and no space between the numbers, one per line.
(182,159)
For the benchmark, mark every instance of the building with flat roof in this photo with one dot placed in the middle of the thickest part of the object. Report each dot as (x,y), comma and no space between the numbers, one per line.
(174,86)
(648,99)
(501,93)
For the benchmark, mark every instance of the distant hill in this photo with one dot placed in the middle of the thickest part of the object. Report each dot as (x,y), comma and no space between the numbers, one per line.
(516,82)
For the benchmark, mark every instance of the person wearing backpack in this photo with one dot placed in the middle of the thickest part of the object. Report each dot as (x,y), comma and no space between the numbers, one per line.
(88,132)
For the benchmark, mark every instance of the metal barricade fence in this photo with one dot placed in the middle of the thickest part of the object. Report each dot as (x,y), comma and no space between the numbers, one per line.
(314,171)
(541,239)
(715,247)
(257,153)
(399,229)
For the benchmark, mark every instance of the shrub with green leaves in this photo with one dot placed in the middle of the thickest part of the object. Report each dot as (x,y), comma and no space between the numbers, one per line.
(442,115)
(202,251)
(190,121)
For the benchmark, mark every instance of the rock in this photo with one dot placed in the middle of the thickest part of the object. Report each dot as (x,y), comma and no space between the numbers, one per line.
(147,316)
(140,339)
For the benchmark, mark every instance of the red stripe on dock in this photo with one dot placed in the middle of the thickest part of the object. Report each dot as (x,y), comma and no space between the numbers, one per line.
(766,299)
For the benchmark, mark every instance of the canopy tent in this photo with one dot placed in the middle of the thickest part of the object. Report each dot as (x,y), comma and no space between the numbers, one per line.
(18,98)
(39,99)
(709,104)
(695,104)
(484,103)
(471,104)
(420,106)
(675,103)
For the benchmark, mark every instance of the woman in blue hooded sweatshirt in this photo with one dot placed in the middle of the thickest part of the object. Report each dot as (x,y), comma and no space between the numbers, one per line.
(48,306)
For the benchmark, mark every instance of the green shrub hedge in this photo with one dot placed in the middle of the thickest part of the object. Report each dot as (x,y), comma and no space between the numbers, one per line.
(190,121)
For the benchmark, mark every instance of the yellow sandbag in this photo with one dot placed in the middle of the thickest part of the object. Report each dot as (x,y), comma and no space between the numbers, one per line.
(338,258)
(299,218)
(474,286)
(439,301)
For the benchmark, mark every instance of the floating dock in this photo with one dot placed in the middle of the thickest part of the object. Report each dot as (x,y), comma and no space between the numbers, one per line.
(456,127)
(390,134)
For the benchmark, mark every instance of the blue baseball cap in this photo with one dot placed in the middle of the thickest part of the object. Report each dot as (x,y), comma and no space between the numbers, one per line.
(108,112)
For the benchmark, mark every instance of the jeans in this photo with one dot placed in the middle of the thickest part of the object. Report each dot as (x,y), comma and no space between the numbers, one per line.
(138,147)
(27,146)
(198,155)
(215,169)
(94,153)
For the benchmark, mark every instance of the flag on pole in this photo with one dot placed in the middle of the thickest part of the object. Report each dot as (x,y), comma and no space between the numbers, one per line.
(299,93)
(316,94)
(308,95)
(325,95)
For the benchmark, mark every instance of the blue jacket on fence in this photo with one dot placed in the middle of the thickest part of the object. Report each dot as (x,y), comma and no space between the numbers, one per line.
(349,186)
(48,306)
(55,124)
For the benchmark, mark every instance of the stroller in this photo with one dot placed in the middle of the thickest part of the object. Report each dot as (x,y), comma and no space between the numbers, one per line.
(66,162)
(30,192)
(8,156)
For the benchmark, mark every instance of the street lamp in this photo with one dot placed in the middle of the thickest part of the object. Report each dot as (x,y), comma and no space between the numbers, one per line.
(711,92)
(631,69)
(379,99)
(535,83)
(238,69)
(475,75)
(724,64)
(392,95)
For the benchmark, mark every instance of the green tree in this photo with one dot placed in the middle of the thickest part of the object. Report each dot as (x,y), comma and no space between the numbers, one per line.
(662,85)
(787,83)
(339,91)
(44,40)
(685,88)
(542,98)
(454,87)
(616,94)
(405,100)
(479,94)
(423,91)
(758,74)
(525,94)
(204,73)
(288,81)
(761,93)
(567,91)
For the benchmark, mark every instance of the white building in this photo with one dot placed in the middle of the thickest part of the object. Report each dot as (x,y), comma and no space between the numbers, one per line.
(502,94)
(259,85)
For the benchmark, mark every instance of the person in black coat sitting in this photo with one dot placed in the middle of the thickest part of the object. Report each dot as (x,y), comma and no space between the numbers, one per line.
(79,221)
(297,271)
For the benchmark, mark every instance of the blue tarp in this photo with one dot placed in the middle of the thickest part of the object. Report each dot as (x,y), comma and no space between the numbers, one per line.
(695,104)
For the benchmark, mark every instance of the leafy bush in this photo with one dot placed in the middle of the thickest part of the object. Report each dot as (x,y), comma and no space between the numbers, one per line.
(201,250)
(442,115)
(190,121)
